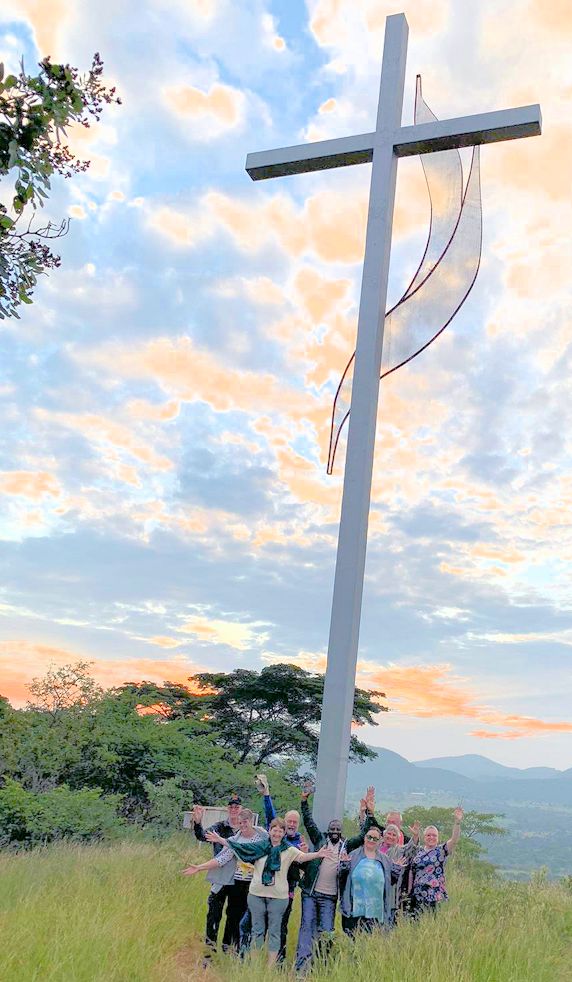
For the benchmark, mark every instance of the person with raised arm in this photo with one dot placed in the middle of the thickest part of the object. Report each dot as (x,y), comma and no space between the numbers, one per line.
(221,878)
(293,838)
(427,874)
(268,892)
(367,807)
(367,879)
(320,885)
(237,893)
(395,852)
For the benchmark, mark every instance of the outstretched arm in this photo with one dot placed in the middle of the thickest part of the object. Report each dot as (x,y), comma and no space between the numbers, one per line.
(456,833)
(191,870)
(306,857)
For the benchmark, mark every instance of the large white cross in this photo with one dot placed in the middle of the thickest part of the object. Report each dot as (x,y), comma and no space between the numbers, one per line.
(382,148)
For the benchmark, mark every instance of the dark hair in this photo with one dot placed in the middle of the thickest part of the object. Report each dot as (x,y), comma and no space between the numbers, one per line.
(277,821)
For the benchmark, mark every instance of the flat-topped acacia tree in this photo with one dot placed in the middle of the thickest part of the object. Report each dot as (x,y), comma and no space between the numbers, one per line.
(261,715)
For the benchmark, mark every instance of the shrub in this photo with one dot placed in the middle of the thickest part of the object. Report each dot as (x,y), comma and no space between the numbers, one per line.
(28,818)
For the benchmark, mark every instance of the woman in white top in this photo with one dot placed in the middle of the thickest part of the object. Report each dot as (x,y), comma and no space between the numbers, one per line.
(268,893)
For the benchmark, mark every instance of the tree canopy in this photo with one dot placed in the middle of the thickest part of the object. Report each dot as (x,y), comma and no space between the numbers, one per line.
(34,113)
(274,713)
(143,767)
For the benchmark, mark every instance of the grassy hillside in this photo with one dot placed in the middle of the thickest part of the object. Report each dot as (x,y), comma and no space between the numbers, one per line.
(124,914)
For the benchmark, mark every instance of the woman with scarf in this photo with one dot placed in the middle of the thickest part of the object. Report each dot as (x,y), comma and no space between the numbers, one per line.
(268,893)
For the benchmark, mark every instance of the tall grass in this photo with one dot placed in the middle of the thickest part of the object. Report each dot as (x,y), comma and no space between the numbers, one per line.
(123,913)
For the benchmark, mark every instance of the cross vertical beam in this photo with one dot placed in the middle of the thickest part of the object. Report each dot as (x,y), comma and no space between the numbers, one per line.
(350,563)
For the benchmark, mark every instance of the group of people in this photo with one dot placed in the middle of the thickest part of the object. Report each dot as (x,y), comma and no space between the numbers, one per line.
(373,876)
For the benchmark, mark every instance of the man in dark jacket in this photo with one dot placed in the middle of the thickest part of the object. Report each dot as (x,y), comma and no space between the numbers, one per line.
(222,879)
(320,883)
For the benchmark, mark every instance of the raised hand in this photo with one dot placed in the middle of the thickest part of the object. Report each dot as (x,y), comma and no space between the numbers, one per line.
(415,829)
(458,813)
(307,790)
(197,814)
(370,799)
(190,870)
(303,847)
(215,837)
(344,857)
(261,782)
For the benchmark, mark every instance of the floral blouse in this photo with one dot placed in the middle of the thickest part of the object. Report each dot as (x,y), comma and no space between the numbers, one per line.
(429,875)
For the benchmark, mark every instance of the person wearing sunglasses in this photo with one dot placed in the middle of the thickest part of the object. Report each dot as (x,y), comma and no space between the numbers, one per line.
(320,884)
(368,875)
(268,890)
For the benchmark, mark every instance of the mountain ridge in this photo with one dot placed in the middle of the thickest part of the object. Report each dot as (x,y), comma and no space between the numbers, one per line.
(392,772)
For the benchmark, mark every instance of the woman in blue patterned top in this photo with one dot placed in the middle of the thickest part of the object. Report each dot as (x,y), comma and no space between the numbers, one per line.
(427,876)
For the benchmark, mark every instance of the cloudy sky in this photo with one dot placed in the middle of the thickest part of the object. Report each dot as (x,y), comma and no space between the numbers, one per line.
(164,503)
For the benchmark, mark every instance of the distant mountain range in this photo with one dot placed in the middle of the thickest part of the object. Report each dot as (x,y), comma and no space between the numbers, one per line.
(482,769)
(476,779)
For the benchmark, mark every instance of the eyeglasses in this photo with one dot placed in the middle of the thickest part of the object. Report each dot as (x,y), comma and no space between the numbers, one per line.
(373,838)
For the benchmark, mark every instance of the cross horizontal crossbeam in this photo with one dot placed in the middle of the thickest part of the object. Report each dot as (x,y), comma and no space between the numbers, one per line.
(444,134)
(382,148)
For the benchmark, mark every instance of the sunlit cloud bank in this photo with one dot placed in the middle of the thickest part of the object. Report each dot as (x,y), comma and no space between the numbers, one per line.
(428,691)
(167,398)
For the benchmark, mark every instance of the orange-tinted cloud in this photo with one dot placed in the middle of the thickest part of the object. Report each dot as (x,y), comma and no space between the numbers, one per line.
(554,17)
(103,430)
(21,661)
(195,374)
(29,484)
(221,102)
(330,224)
(47,18)
(341,25)
(232,633)
(428,691)
(542,164)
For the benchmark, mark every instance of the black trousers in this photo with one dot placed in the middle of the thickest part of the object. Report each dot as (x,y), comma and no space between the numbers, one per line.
(284,930)
(235,909)
(352,925)
(235,895)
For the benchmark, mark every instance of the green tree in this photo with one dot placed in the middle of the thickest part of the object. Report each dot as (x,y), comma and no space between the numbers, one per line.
(273,713)
(469,851)
(75,735)
(34,114)
(70,687)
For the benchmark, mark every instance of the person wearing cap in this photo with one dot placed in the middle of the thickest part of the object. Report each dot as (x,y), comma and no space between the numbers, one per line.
(242,873)
(222,878)
(268,892)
